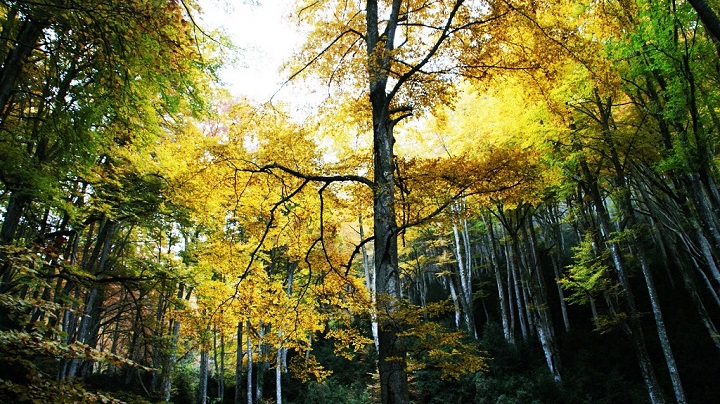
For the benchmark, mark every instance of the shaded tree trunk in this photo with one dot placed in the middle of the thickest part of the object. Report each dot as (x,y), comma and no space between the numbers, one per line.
(495,267)
(392,352)
(204,370)
(250,389)
(544,323)
(11,220)
(465,274)
(27,39)
(238,364)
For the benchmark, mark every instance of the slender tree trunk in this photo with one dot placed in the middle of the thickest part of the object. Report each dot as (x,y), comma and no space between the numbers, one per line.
(204,370)
(219,359)
(456,302)
(545,327)
(263,367)
(167,376)
(662,332)
(516,282)
(511,289)
(370,285)
(556,257)
(250,389)
(278,374)
(465,273)
(238,364)
(495,264)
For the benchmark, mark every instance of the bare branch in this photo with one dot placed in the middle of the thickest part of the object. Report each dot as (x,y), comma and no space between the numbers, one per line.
(317,178)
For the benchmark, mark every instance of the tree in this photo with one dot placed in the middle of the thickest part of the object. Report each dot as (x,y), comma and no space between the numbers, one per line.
(405,48)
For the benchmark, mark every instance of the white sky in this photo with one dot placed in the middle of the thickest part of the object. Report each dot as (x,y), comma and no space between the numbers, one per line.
(265,37)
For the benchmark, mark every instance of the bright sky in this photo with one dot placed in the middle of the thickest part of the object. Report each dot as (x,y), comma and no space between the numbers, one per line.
(266,39)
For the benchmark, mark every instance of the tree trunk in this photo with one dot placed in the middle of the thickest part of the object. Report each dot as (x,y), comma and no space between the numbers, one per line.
(11,220)
(392,353)
(238,364)
(516,282)
(27,39)
(710,20)
(204,365)
(456,303)
(250,389)
(556,256)
(464,270)
(545,327)
(278,374)
(495,265)
(219,359)
(370,285)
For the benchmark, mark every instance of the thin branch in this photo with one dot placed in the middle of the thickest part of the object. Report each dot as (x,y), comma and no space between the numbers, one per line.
(314,59)
(317,178)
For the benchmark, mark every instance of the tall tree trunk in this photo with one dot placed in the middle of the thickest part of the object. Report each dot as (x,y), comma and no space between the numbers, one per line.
(219,360)
(511,292)
(392,352)
(545,327)
(516,282)
(465,274)
(238,363)
(204,370)
(278,374)
(261,368)
(495,266)
(556,257)
(167,372)
(250,389)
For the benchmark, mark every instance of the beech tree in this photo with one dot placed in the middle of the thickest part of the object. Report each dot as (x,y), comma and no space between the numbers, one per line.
(406,51)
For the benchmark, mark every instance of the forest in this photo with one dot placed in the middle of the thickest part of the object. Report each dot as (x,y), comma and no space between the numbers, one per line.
(492,201)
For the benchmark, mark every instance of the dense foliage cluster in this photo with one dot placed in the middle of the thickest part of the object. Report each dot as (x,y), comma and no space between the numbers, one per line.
(500,201)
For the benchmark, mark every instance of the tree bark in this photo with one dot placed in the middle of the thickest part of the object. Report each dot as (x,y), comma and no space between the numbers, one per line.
(278,374)
(11,220)
(710,20)
(495,265)
(464,270)
(392,352)
(204,369)
(370,285)
(27,40)
(544,323)
(238,364)
(250,389)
